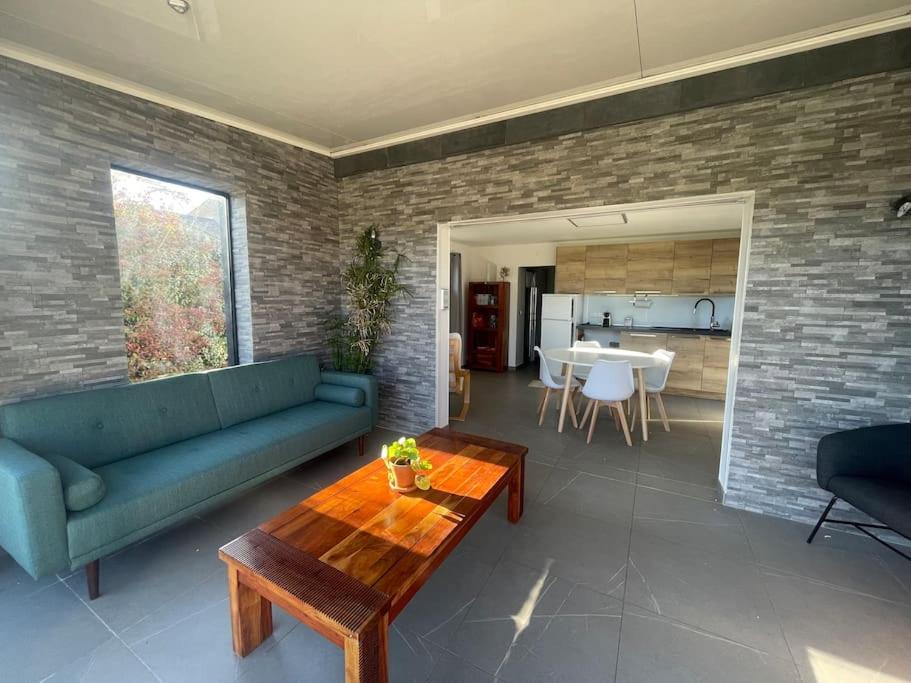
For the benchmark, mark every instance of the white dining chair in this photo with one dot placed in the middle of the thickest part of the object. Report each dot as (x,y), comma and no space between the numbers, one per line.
(581,372)
(655,381)
(555,383)
(611,382)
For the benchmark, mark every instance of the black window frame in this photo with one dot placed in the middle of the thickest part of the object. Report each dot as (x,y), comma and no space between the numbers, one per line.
(227,257)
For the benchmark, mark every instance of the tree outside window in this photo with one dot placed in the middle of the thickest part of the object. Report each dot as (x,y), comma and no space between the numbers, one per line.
(173,248)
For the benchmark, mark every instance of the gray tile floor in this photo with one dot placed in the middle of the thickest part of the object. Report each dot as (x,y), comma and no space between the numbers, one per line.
(625,567)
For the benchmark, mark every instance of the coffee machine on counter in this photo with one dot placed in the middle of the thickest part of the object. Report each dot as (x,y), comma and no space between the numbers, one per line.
(605,319)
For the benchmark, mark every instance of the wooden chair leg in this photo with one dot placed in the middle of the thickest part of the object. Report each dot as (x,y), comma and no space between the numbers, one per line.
(541,402)
(572,412)
(634,412)
(591,428)
(544,406)
(664,421)
(91,578)
(629,440)
(588,410)
(616,411)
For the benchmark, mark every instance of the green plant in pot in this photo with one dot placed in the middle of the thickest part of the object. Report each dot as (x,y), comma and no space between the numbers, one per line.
(371,285)
(405,467)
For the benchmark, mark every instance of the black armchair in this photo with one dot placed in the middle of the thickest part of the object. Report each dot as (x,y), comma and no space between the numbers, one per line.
(869,468)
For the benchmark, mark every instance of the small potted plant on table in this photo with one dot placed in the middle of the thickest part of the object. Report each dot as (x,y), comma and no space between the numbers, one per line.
(405,466)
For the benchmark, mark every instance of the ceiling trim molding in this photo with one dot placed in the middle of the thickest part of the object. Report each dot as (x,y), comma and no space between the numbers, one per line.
(803,45)
(67,68)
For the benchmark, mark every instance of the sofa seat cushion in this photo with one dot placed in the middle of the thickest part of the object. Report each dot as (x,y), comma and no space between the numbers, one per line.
(153,486)
(335,393)
(82,488)
(886,500)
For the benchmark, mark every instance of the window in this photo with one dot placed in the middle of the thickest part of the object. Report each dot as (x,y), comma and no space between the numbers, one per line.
(175,276)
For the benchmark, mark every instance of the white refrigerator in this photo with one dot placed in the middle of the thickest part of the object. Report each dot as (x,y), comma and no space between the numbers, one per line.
(560,313)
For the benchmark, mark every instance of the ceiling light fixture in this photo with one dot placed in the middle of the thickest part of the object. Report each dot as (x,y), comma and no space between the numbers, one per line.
(179,6)
(599,220)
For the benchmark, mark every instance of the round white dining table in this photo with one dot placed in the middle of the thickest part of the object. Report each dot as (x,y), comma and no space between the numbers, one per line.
(587,356)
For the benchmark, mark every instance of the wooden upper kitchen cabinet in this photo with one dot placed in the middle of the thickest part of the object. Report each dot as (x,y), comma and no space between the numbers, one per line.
(725,254)
(715,364)
(650,267)
(687,368)
(570,271)
(605,269)
(692,266)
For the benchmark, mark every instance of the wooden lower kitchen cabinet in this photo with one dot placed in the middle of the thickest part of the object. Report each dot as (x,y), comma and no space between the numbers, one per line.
(700,366)
(686,371)
(646,342)
(715,365)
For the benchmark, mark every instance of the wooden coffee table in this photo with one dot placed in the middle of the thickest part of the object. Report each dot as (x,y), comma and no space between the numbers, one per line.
(347,560)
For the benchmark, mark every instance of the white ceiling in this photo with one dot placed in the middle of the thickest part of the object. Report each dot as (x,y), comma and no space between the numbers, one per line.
(680,222)
(333,75)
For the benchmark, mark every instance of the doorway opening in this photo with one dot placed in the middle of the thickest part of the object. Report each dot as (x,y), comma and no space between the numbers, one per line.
(669,274)
(534,282)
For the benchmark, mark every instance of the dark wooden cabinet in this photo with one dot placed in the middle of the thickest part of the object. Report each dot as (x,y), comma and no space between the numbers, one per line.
(488,326)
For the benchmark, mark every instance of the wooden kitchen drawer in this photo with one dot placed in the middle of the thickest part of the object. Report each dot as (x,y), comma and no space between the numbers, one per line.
(646,342)
(687,368)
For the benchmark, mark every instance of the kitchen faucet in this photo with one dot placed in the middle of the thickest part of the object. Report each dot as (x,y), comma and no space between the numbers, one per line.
(713,324)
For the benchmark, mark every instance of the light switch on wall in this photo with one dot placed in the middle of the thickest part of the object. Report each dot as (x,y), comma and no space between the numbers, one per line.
(444,299)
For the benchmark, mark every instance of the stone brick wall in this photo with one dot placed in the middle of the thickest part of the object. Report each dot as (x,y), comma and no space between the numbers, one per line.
(827,327)
(60,311)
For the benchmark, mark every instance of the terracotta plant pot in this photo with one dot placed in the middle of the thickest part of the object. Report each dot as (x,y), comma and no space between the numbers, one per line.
(404,478)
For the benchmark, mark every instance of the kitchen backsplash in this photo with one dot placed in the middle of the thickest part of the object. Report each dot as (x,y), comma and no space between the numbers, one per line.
(674,311)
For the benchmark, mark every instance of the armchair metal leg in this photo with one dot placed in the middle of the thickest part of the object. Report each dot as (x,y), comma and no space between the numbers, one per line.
(822,518)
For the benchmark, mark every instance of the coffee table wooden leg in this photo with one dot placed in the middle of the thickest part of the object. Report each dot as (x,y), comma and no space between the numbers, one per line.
(517,492)
(251,615)
(366,655)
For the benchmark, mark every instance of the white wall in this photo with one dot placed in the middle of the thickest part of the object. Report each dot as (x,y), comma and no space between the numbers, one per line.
(480,264)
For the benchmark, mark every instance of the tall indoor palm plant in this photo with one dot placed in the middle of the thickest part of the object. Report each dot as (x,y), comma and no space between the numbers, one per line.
(370,287)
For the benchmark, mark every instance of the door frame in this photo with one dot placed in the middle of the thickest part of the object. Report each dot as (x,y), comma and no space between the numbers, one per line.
(746,199)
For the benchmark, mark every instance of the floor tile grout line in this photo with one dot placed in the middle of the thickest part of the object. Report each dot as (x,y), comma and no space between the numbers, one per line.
(113,633)
(768,594)
(629,550)
(679,623)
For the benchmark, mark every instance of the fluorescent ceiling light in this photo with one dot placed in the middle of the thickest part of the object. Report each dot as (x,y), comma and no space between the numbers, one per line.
(599,220)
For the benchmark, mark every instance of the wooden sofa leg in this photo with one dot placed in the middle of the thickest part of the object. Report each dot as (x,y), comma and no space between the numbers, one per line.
(361,444)
(822,518)
(91,577)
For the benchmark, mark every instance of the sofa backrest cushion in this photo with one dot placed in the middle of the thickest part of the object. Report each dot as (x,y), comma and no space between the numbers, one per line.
(245,392)
(102,426)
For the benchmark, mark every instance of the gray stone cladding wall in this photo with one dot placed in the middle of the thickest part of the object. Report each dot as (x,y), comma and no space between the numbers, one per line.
(827,326)
(60,310)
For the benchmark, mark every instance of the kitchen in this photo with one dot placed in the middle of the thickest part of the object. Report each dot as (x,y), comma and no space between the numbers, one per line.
(635,280)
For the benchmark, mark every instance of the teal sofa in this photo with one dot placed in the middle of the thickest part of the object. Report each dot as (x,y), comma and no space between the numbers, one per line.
(82,475)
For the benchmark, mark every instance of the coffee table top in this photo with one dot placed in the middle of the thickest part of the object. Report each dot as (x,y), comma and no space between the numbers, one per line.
(390,541)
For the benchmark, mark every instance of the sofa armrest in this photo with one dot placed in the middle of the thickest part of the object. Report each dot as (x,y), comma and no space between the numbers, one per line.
(881,452)
(367,383)
(32,513)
